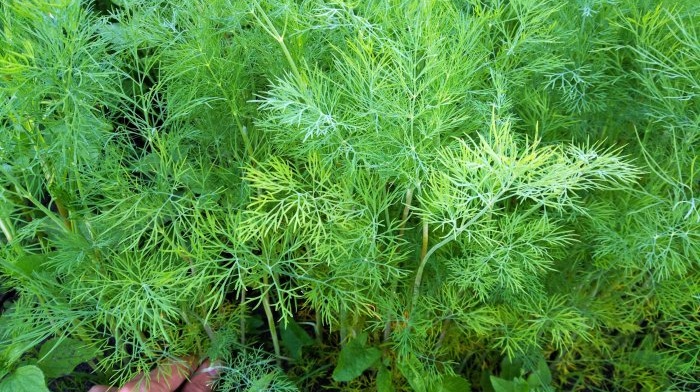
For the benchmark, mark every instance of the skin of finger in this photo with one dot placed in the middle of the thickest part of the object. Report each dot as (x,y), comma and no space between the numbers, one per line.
(102,388)
(200,380)
(160,380)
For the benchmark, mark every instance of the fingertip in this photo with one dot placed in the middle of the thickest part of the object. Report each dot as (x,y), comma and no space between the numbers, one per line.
(202,379)
(201,382)
(101,388)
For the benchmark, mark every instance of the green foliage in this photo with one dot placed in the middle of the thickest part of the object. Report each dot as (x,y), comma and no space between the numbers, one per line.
(394,195)
(512,377)
(295,339)
(24,379)
(60,357)
(253,371)
(355,358)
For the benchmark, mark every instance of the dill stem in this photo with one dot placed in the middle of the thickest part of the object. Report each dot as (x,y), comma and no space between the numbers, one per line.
(64,214)
(426,238)
(445,241)
(444,328)
(343,329)
(270,28)
(249,151)
(271,325)
(424,254)
(49,214)
(246,139)
(6,230)
(234,112)
(421,267)
(402,229)
(318,328)
(406,210)
(242,322)
(49,177)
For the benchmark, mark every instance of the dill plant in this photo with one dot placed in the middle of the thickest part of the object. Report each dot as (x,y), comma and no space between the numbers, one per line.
(426,195)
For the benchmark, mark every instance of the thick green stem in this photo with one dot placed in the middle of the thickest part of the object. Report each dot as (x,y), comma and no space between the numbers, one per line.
(343,328)
(318,328)
(246,140)
(425,253)
(242,325)
(445,241)
(426,240)
(49,214)
(402,228)
(271,325)
(6,230)
(406,210)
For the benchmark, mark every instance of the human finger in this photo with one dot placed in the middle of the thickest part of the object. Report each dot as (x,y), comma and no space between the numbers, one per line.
(166,378)
(102,388)
(202,379)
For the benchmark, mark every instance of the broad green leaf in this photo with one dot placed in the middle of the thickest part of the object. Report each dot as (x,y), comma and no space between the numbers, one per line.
(542,376)
(511,369)
(501,385)
(294,338)
(384,383)
(26,265)
(485,381)
(24,379)
(411,370)
(454,384)
(31,262)
(355,358)
(262,383)
(58,357)
(254,323)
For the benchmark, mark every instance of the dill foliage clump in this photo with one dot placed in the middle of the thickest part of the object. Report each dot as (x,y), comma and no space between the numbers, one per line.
(391,195)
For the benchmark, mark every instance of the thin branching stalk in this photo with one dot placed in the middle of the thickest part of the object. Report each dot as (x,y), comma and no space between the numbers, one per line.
(437,246)
(242,323)
(270,28)
(271,324)
(6,230)
(402,228)
(406,210)
(318,328)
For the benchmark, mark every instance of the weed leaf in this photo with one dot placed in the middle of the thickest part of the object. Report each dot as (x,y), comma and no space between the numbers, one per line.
(355,358)
(58,357)
(24,379)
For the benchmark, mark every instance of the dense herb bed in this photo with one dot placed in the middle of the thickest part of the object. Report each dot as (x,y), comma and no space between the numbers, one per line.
(351,195)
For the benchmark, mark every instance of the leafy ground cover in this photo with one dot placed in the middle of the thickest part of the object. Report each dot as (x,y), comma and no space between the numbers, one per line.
(387,195)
